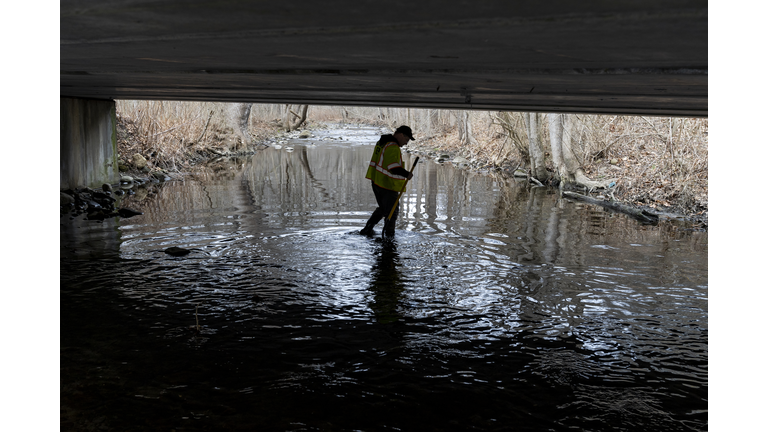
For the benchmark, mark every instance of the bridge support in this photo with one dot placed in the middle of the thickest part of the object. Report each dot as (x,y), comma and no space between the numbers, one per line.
(88,147)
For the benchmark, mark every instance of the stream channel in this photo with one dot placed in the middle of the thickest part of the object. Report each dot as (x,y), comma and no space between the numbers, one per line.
(499,306)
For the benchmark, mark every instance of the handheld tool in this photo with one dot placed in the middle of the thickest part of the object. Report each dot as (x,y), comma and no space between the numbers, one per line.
(391,212)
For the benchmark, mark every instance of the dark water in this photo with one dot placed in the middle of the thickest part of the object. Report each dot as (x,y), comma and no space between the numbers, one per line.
(498,308)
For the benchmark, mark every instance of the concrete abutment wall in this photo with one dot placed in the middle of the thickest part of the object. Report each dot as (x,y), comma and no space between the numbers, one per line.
(88,146)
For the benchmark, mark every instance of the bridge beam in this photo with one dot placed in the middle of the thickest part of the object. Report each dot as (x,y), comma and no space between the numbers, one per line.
(645,57)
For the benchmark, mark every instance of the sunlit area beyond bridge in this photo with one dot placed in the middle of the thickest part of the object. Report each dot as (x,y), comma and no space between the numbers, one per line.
(622,57)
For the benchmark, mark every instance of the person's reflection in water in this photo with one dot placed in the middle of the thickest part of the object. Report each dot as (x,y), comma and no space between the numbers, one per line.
(386,284)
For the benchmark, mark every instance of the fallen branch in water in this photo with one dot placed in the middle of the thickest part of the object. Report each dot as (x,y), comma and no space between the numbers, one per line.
(641,215)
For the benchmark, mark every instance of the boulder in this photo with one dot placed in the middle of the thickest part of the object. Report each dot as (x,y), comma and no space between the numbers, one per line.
(460,160)
(67,199)
(100,196)
(304,134)
(138,161)
(176,251)
(126,179)
(92,205)
(106,187)
(95,215)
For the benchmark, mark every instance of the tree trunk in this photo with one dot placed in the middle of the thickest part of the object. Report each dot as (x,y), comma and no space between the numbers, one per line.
(465,128)
(302,116)
(570,164)
(243,114)
(556,143)
(567,166)
(293,120)
(287,118)
(535,149)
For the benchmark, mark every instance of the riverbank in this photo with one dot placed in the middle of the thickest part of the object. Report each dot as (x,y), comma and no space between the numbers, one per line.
(648,173)
(647,196)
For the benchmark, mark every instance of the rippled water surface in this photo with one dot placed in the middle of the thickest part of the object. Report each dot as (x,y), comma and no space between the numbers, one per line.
(498,307)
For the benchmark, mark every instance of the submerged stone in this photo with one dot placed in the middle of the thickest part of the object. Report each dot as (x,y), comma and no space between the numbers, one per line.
(176,251)
(67,199)
(126,212)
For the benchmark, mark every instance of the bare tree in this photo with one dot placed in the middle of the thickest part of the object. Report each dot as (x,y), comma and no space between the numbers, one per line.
(567,166)
(243,113)
(512,124)
(524,131)
(292,120)
(465,128)
(556,144)
(535,148)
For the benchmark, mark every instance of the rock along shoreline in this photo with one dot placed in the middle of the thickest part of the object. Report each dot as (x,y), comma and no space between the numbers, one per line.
(100,204)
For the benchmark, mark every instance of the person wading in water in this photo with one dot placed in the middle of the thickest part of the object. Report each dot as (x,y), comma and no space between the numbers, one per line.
(388,177)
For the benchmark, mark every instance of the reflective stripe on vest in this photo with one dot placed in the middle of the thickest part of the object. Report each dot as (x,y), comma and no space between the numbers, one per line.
(383,160)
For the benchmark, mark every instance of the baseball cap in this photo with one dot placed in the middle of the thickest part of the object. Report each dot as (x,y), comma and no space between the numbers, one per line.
(405,130)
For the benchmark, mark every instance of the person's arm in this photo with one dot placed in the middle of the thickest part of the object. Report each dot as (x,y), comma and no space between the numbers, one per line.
(401,172)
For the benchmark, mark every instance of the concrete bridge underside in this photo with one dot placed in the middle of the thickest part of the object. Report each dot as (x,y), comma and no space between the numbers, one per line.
(626,57)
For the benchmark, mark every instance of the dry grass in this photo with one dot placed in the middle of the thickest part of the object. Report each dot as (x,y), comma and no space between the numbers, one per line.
(659,162)
(171,134)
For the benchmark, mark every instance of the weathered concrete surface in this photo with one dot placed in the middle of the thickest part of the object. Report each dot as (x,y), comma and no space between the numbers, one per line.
(642,57)
(88,144)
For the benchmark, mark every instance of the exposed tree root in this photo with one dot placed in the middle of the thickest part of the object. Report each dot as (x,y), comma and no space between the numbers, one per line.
(581,179)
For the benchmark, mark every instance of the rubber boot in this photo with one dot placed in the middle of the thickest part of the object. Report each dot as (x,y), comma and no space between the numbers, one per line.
(388,233)
(371,224)
(367,231)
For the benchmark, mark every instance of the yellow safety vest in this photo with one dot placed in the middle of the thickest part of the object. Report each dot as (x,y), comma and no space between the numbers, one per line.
(386,156)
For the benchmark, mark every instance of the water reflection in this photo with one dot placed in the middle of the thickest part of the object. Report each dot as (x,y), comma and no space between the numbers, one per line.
(386,283)
(499,305)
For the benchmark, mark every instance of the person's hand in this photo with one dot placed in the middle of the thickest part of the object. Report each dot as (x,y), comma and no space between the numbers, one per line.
(410,176)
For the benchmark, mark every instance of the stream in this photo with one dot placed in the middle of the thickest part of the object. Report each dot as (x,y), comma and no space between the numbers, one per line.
(498,307)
